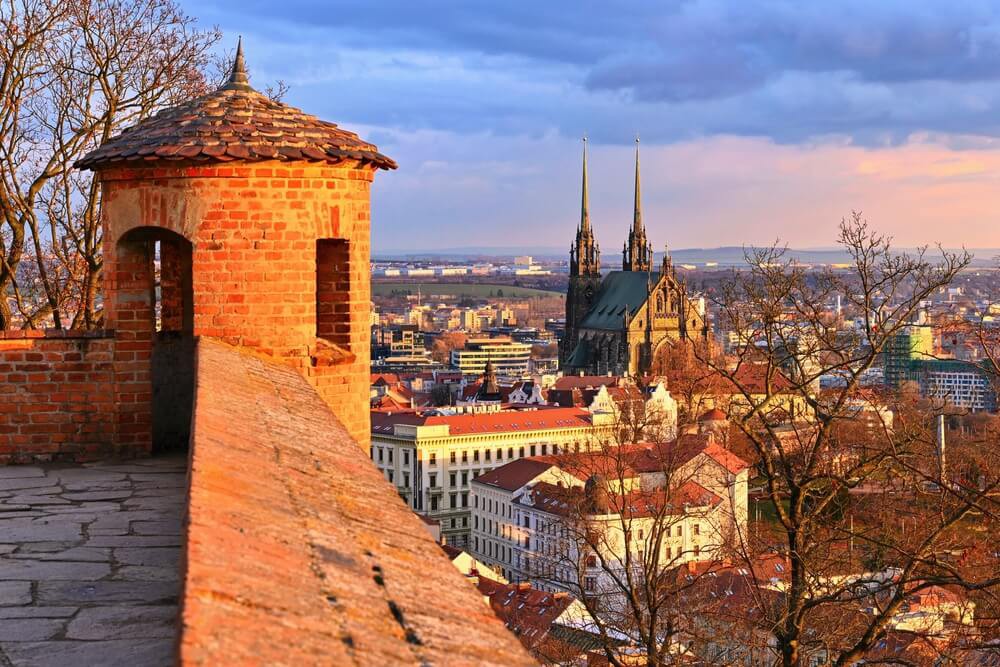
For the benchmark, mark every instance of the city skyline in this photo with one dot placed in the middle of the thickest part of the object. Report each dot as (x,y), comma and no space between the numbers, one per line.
(761,122)
(233,432)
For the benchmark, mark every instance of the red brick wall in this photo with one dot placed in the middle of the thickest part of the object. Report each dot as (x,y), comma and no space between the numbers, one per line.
(57,397)
(299,552)
(134,323)
(254,229)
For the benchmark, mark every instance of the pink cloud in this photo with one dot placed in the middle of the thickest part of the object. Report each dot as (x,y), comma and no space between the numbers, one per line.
(707,192)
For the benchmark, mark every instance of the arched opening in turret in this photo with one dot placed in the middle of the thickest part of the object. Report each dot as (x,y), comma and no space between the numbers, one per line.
(154,302)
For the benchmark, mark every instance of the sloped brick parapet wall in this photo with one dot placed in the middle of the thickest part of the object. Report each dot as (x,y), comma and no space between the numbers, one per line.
(298,551)
(57,396)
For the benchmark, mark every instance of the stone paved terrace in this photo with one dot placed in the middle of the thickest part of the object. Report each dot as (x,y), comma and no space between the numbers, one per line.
(276,542)
(89,563)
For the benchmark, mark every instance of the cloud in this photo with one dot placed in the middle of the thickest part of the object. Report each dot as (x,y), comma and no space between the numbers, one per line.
(759,119)
(790,71)
(486,189)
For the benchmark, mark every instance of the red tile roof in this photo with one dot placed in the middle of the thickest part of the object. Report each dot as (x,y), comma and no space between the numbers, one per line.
(725,458)
(733,592)
(713,415)
(505,421)
(616,462)
(552,498)
(900,647)
(688,494)
(585,381)
(528,613)
(234,122)
(516,474)
(389,402)
(675,454)
(560,500)
(566,397)
(753,377)
(762,568)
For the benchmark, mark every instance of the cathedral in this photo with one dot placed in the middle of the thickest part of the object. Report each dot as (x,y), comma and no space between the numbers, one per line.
(621,322)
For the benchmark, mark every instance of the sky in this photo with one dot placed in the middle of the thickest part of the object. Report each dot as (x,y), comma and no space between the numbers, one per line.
(759,121)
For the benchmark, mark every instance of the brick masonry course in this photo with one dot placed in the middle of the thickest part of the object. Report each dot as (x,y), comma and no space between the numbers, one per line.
(56,396)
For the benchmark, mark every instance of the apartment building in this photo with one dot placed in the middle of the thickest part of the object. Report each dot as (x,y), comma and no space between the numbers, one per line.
(529,516)
(434,456)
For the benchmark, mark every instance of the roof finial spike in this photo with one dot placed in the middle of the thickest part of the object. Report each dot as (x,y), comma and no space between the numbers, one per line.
(584,203)
(238,79)
(637,212)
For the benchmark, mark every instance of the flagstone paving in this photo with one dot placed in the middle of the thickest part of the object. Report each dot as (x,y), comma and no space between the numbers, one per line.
(89,561)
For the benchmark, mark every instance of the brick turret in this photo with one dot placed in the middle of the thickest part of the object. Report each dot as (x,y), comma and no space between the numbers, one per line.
(260,216)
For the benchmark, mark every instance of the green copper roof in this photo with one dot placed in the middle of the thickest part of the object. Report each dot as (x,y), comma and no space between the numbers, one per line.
(581,355)
(618,290)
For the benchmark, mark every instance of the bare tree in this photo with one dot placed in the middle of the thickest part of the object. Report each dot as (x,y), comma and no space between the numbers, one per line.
(623,523)
(445,343)
(73,75)
(864,514)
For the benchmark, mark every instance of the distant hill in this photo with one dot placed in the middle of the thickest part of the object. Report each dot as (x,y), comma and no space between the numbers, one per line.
(723,256)
(468,252)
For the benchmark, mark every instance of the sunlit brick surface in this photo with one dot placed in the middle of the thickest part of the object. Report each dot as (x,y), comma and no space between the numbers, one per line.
(57,397)
(255,229)
(299,552)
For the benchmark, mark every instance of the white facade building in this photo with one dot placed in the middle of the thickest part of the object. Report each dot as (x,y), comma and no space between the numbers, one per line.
(960,385)
(527,516)
(434,456)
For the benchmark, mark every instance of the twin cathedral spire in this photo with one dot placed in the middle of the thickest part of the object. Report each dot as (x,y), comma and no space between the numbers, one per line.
(585,253)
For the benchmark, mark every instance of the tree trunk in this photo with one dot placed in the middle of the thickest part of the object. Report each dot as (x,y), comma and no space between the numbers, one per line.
(790,653)
(6,317)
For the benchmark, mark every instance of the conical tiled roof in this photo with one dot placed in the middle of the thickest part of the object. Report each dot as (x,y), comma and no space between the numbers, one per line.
(234,122)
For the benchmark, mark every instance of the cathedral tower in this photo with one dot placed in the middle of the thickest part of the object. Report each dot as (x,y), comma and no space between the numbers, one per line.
(637,255)
(584,271)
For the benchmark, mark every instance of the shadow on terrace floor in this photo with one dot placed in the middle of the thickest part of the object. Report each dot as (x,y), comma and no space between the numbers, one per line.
(89,563)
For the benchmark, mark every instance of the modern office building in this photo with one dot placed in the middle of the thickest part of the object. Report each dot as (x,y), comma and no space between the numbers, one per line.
(909,356)
(510,358)
(960,384)
(914,342)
